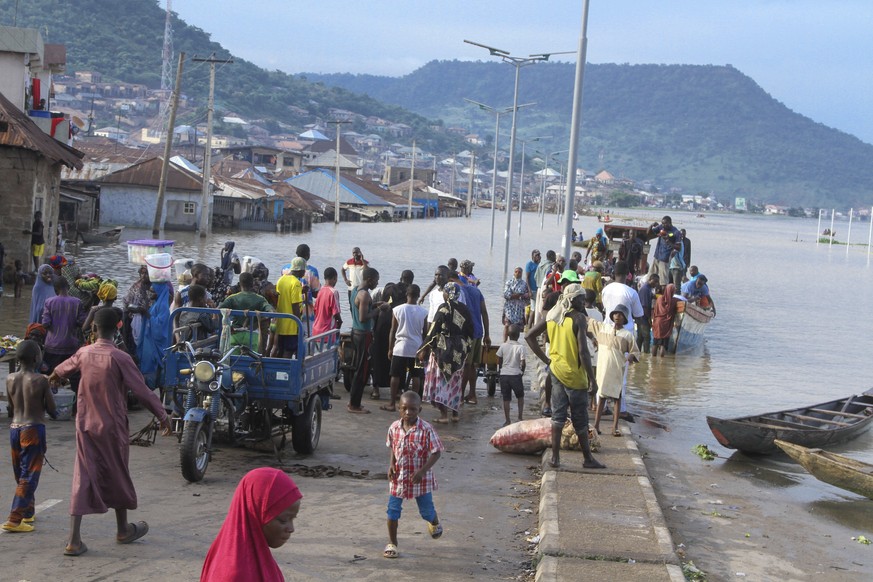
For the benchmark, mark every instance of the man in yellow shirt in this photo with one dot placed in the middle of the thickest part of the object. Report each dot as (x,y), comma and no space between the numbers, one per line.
(569,368)
(290,290)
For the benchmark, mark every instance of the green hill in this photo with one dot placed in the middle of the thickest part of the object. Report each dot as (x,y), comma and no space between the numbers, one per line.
(701,128)
(123,41)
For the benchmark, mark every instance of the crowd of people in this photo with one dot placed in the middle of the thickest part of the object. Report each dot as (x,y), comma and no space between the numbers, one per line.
(584,318)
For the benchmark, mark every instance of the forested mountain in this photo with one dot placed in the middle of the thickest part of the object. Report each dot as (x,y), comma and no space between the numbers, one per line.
(698,128)
(701,128)
(123,41)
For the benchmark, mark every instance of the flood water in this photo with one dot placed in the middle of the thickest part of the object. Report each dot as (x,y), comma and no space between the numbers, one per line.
(793,324)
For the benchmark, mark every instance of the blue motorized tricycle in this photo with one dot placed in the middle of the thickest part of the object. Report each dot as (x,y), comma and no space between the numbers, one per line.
(222,389)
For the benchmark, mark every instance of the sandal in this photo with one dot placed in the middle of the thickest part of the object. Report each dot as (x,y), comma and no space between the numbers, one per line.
(361,410)
(140,529)
(374,395)
(470,401)
(441,420)
(435,530)
(68,551)
(390,551)
(387,408)
(616,433)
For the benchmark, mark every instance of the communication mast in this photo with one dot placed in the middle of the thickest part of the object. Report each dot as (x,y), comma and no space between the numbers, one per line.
(166,72)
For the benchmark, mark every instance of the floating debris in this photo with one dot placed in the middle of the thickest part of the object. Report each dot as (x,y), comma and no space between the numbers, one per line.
(704,452)
(862,540)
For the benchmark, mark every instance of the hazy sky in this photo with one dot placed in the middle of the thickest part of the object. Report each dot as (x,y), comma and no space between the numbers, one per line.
(814,56)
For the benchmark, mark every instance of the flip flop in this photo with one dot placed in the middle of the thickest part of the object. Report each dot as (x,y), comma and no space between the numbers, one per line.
(390,551)
(435,530)
(470,401)
(357,410)
(140,529)
(441,420)
(374,396)
(77,552)
(616,433)
(386,408)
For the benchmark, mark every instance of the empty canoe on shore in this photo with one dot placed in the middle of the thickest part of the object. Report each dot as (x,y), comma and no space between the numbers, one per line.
(837,470)
(107,236)
(818,425)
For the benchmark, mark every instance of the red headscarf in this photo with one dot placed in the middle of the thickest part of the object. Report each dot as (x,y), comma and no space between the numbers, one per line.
(240,552)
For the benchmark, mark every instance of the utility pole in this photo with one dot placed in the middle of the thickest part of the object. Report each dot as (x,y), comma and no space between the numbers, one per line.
(411,183)
(165,166)
(207,153)
(336,206)
(470,185)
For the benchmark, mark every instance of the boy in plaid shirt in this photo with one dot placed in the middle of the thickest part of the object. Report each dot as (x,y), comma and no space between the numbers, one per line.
(415,448)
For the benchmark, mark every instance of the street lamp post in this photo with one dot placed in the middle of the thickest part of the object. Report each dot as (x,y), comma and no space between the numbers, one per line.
(521,187)
(575,123)
(543,196)
(518,63)
(497,113)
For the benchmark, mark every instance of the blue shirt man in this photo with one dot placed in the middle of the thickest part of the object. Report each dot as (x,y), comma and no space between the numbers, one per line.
(530,270)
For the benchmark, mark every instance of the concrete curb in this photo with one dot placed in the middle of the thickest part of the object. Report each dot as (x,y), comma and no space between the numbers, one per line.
(548,551)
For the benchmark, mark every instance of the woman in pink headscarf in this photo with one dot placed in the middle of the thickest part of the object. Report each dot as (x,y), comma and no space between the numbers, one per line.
(663,319)
(261,517)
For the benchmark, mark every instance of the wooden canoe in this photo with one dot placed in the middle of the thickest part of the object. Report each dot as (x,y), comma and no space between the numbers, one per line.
(106,236)
(818,425)
(837,470)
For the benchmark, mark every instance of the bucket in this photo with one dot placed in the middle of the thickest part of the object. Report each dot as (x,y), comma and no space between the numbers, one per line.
(182,265)
(160,266)
(64,400)
(138,250)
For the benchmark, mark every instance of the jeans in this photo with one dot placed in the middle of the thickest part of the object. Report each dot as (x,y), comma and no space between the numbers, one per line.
(574,399)
(425,507)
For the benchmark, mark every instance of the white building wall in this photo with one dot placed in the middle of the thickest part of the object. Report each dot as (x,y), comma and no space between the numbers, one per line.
(135,206)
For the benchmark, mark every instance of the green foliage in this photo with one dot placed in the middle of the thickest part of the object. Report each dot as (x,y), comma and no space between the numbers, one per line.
(704,452)
(124,40)
(698,128)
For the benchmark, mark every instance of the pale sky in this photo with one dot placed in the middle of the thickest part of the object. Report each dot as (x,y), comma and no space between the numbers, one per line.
(815,57)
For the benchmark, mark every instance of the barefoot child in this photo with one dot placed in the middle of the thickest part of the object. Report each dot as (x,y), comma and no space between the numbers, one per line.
(20,278)
(30,398)
(510,358)
(617,348)
(415,448)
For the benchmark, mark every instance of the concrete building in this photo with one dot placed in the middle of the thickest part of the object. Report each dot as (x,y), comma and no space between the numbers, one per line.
(129,196)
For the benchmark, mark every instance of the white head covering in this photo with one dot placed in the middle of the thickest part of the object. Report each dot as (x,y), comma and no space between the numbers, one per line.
(556,314)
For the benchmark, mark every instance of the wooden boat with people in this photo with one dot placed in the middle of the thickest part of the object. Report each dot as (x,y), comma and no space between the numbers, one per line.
(837,470)
(818,425)
(101,237)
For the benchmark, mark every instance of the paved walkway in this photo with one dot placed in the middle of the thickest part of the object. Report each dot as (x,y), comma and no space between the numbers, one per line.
(603,524)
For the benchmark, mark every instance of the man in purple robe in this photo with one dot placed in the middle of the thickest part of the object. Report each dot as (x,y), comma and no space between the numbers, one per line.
(101,478)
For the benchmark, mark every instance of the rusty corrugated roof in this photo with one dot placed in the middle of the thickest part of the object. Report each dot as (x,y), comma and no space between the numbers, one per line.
(148,173)
(18,130)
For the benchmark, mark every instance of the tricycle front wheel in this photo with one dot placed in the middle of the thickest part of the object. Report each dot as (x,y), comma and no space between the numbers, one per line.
(306,428)
(194,451)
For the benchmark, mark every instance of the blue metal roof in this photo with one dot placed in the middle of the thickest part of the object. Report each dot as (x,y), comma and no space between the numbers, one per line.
(320,182)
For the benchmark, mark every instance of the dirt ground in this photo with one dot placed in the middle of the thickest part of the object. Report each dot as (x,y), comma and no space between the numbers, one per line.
(486,500)
(742,518)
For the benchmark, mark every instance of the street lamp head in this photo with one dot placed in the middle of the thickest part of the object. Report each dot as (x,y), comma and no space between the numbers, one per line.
(494,51)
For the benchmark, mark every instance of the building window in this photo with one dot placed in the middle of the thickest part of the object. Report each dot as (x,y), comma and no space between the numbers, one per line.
(189,208)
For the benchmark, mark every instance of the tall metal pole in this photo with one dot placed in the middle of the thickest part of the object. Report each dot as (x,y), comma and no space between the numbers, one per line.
(575,126)
(849,234)
(509,177)
(494,178)
(411,183)
(336,212)
(543,194)
(521,191)
(470,185)
(165,166)
(832,229)
(870,236)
